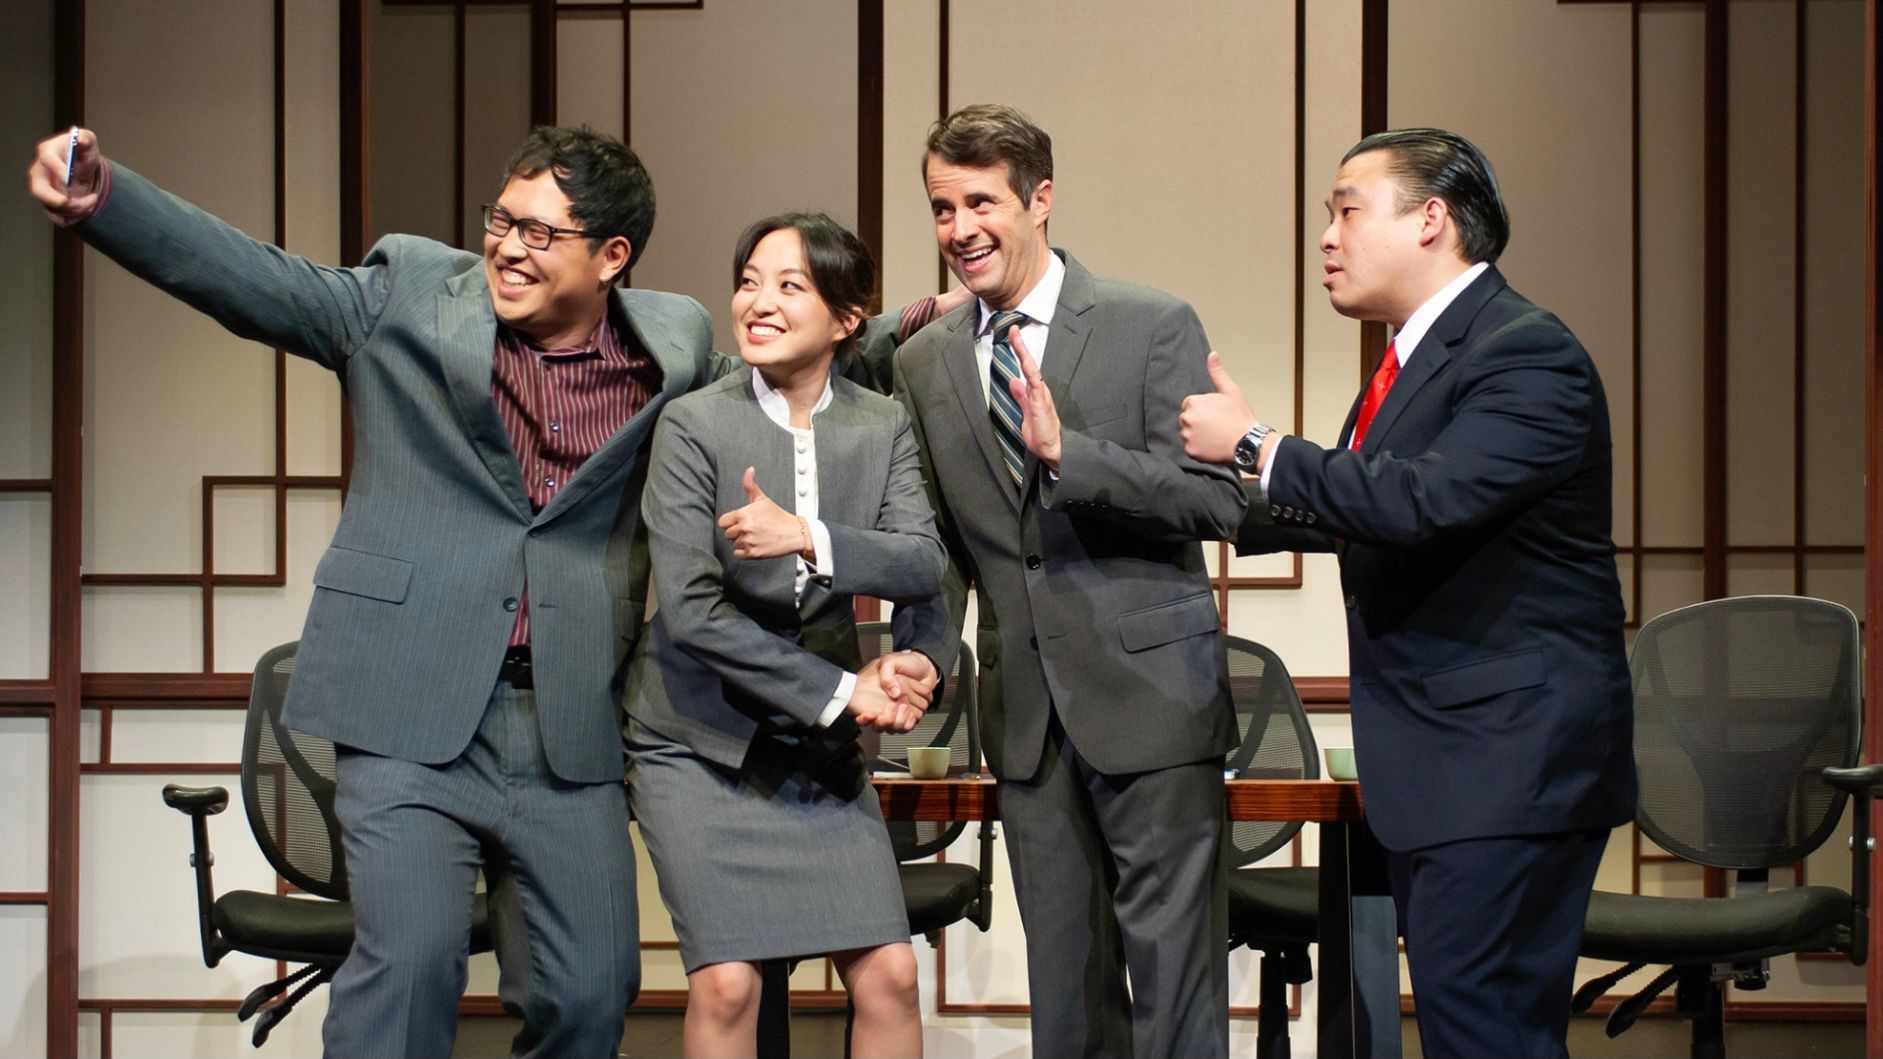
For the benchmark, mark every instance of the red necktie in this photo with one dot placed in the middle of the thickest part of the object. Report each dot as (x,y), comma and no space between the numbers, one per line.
(1376,388)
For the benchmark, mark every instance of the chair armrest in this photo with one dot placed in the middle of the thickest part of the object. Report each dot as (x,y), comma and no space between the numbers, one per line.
(196,801)
(1864,781)
(201,803)
(1862,784)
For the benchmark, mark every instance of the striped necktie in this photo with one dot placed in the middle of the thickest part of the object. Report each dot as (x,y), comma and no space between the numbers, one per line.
(1001,406)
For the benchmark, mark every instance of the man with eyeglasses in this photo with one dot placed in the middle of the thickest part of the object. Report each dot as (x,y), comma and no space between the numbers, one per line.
(487,578)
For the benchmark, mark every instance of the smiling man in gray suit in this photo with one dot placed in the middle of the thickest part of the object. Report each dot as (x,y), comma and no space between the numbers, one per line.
(1067,502)
(471,619)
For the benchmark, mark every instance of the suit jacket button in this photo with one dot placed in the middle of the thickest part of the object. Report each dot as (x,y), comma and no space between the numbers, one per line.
(1032,562)
(510,604)
(1310,518)
(1288,512)
(1351,602)
(1033,642)
(1274,510)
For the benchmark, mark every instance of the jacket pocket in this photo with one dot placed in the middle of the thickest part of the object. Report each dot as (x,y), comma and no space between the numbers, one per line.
(1484,678)
(1164,623)
(364,574)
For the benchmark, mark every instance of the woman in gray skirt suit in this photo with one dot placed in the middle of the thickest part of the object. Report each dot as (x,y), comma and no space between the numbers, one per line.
(773,497)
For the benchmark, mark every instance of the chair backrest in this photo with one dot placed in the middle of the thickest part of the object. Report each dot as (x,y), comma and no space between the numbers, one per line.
(287,787)
(1739,704)
(951,721)
(1277,743)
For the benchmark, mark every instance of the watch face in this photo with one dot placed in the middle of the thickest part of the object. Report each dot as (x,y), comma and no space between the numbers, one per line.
(1247,454)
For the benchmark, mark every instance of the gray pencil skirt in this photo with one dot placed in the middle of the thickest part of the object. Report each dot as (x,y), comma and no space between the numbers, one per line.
(784,857)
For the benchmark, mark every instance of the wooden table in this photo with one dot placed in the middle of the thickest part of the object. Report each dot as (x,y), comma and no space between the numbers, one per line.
(1334,805)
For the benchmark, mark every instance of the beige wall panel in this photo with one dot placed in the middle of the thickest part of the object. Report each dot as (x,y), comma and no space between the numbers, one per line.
(199,1035)
(990,968)
(911,89)
(141,630)
(741,110)
(249,621)
(90,1039)
(23,981)
(1546,96)
(25,577)
(1667,582)
(1307,627)
(177,735)
(1198,203)
(1760,348)
(26,349)
(137,893)
(1671,66)
(245,529)
(1836,577)
(1759,575)
(409,120)
(496,106)
(24,742)
(171,396)
(1834,273)
(588,73)
(313,212)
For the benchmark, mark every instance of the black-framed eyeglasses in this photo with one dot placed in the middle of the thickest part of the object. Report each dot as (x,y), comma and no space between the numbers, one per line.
(535,234)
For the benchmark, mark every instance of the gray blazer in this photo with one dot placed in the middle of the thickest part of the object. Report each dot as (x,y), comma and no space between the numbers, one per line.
(415,600)
(731,648)
(1092,595)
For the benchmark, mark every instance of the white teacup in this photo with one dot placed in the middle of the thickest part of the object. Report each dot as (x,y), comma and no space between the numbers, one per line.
(1340,763)
(929,762)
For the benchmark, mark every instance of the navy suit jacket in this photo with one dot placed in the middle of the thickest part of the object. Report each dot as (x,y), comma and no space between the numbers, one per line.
(1490,684)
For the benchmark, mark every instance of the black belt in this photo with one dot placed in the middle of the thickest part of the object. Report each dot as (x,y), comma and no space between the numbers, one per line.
(516,668)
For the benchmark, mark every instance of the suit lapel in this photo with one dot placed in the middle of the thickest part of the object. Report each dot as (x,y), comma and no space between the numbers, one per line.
(467,333)
(1065,340)
(960,360)
(678,370)
(1432,354)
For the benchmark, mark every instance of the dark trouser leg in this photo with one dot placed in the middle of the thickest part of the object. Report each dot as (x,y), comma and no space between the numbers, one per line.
(1492,931)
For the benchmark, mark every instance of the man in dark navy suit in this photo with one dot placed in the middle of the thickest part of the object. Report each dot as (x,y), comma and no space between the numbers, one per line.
(1469,500)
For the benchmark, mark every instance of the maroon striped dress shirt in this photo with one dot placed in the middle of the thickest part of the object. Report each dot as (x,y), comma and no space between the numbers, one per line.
(560,405)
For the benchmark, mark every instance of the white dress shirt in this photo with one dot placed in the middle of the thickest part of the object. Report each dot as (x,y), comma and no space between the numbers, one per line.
(1038,305)
(804,462)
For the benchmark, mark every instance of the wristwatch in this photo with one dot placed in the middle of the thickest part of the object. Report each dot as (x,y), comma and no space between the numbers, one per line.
(1249,449)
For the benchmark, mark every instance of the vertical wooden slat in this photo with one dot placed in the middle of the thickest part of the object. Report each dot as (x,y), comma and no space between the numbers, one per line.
(1800,68)
(542,62)
(1373,118)
(1636,519)
(870,133)
(1713,307)
(1873,498)
(68,479)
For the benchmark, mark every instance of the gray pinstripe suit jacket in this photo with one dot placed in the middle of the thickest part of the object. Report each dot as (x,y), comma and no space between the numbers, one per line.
(414,602)
(731,648)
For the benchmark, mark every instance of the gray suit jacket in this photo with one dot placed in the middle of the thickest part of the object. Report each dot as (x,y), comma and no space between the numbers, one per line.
(1092,594)
(415,600)
(731,649)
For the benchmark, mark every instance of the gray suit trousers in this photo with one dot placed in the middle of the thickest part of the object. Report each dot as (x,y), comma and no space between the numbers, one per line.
(1114,871)
(416,836)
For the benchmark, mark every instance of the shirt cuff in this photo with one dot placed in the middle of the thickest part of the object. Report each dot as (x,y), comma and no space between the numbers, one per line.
(825,563)
(1268,471)
(846,687)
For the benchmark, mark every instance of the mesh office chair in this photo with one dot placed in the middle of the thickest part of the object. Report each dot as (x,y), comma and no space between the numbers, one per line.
(937,894)
(1741,706)
(1274,911)
(287,789)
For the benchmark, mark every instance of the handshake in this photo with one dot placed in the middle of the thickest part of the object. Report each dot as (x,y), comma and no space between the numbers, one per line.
(893,691)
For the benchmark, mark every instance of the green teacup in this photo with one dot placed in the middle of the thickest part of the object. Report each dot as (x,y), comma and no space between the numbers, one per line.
(1340,763)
